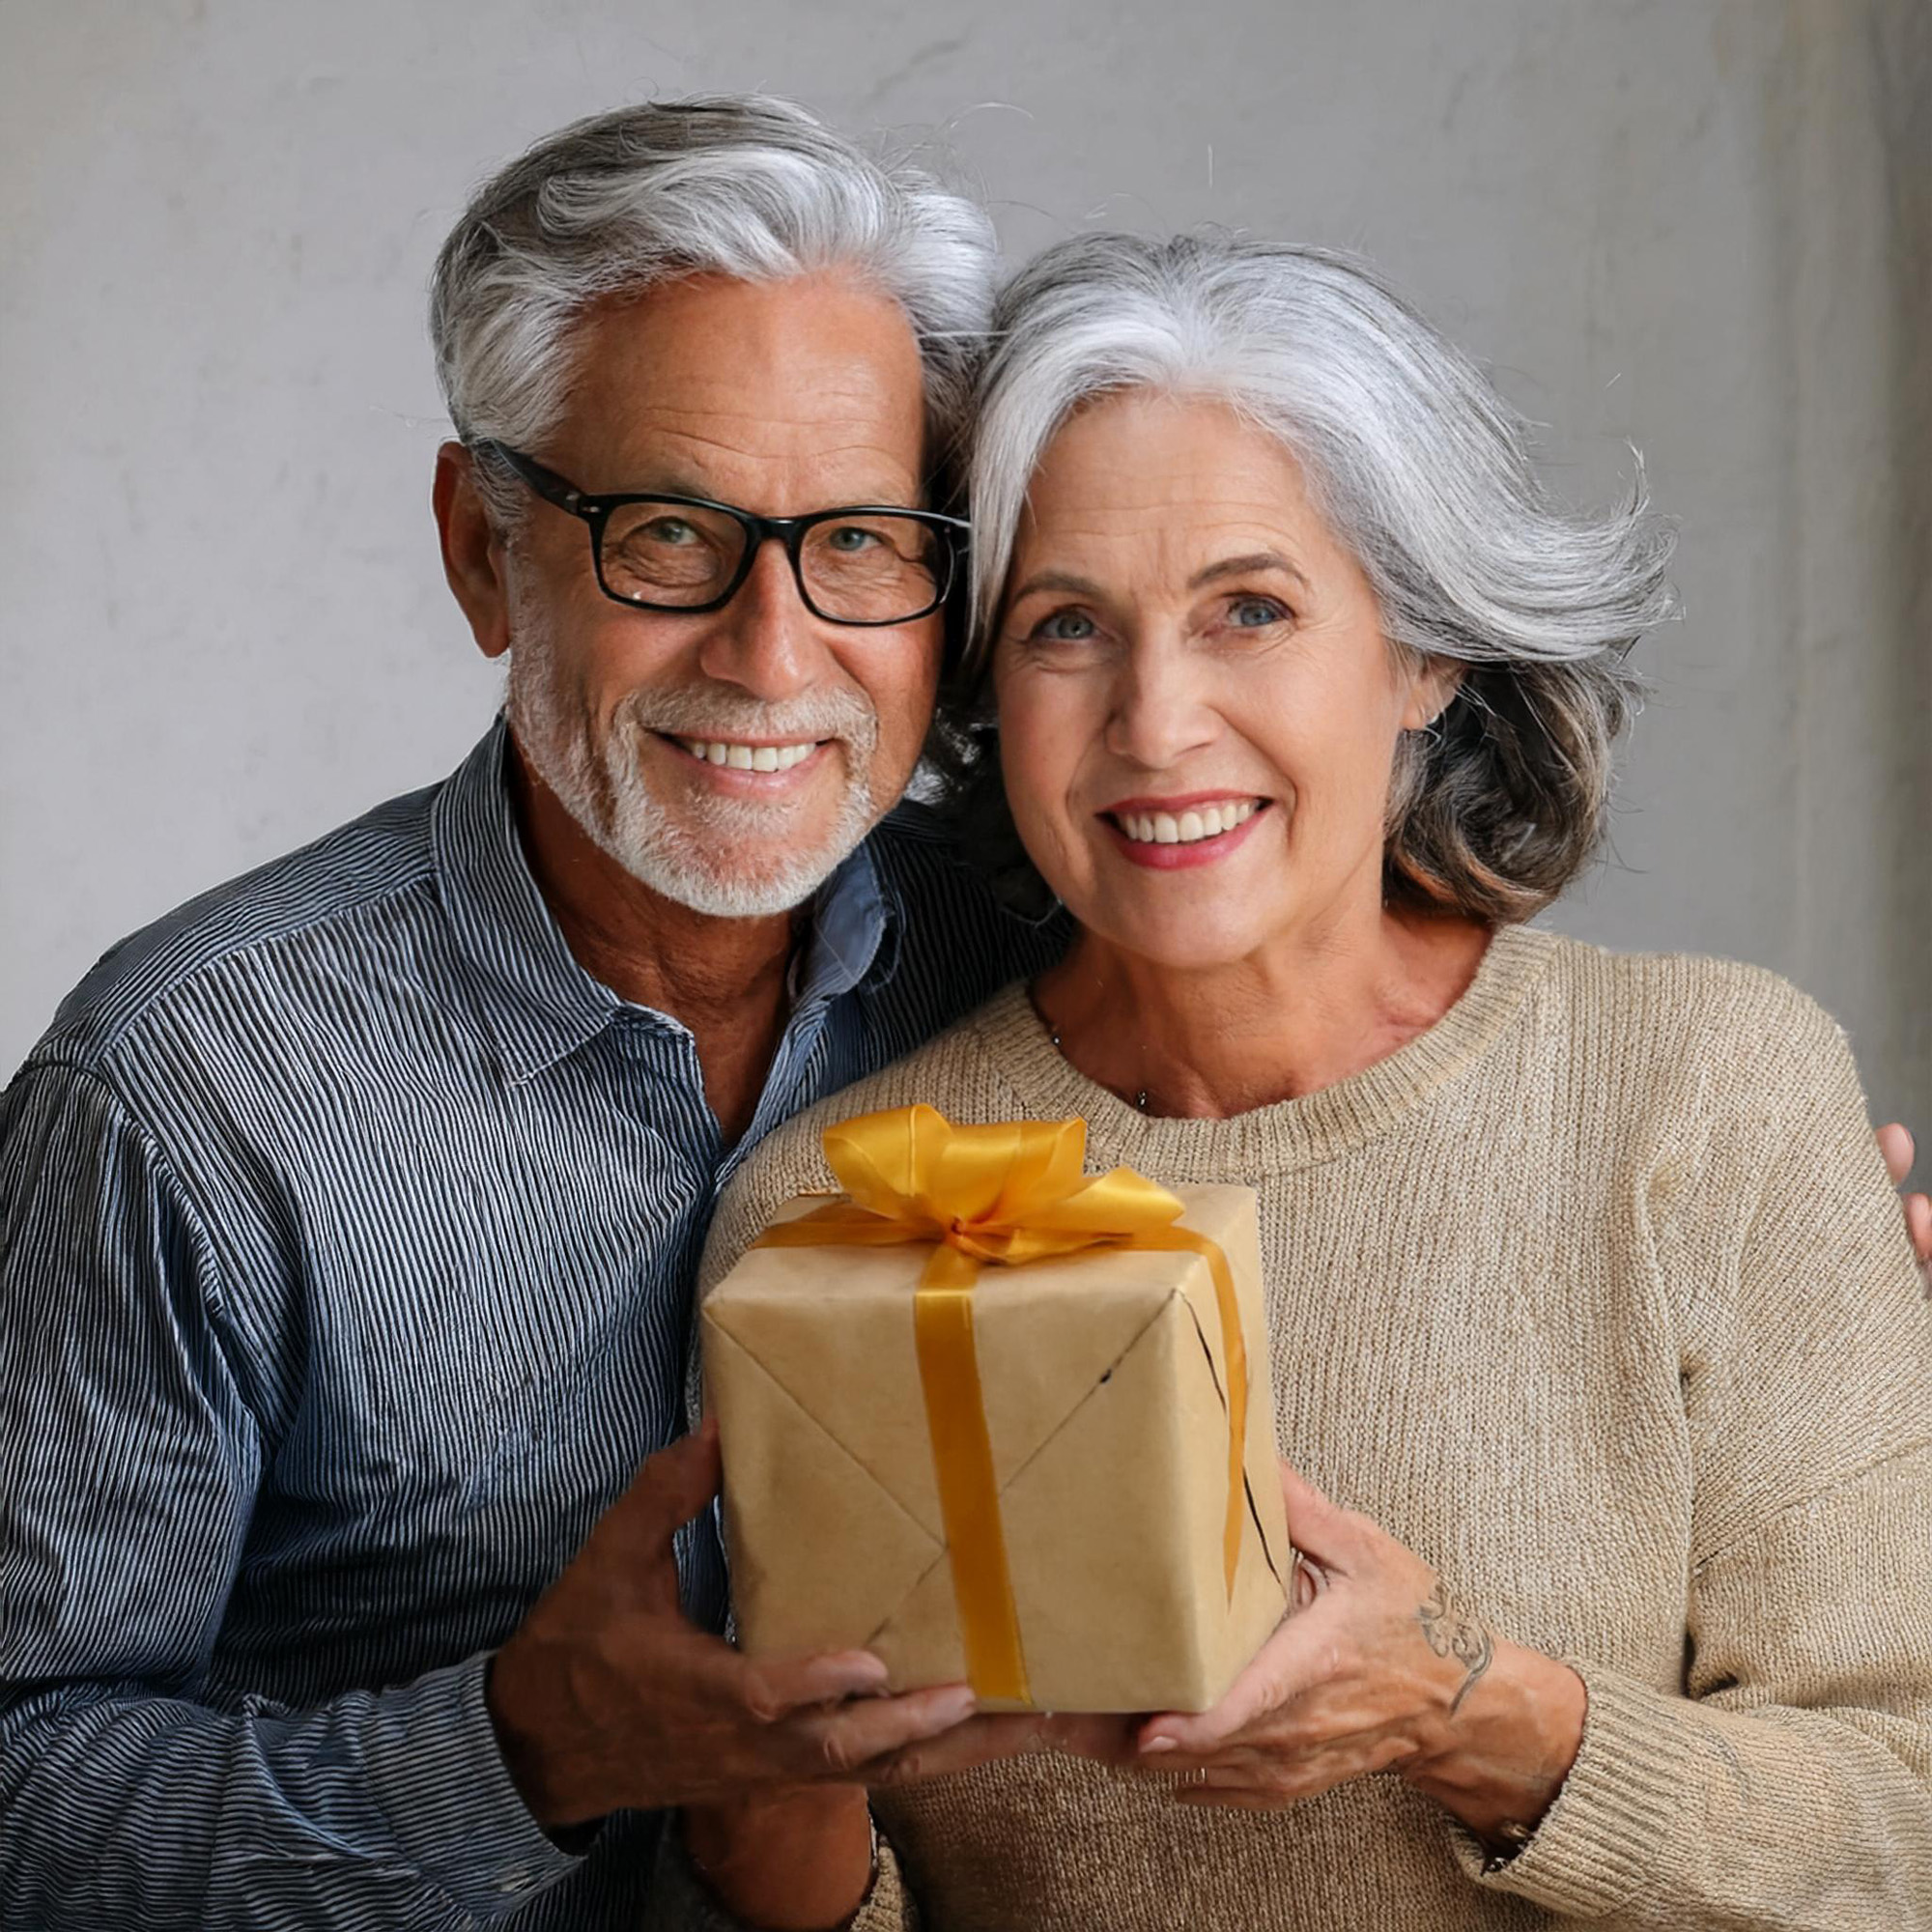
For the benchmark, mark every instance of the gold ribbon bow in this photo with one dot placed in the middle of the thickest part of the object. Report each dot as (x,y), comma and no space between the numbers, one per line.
(1010,1193)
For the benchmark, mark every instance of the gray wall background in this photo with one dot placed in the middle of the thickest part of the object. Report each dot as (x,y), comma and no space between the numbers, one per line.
(1698,225)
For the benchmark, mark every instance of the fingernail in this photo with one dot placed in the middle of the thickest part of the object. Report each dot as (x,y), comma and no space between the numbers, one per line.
(957,1704)
(1163,1743)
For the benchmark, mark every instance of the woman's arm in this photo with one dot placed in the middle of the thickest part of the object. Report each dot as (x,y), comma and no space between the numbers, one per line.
(1793,1784)
(1790,1783)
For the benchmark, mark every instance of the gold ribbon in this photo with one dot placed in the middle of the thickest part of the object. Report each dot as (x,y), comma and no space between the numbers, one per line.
(1010,1193)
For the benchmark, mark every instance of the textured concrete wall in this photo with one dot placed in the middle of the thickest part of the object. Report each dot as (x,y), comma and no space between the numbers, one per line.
(1700,225)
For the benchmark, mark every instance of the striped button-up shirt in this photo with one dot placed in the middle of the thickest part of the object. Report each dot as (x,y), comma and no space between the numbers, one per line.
(347,1234)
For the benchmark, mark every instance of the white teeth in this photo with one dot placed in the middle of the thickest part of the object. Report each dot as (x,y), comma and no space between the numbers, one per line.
(748,757)
(1165,828)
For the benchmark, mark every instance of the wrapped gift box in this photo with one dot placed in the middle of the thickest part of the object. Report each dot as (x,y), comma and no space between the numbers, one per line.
(1145,1547)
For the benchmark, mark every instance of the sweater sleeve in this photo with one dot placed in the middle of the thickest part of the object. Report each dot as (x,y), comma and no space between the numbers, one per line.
(1789,1781)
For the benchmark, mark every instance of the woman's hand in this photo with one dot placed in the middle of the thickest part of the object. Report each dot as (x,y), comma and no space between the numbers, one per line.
(1380,1666)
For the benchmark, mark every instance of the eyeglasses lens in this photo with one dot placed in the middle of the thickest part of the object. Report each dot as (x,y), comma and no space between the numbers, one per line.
(869,569)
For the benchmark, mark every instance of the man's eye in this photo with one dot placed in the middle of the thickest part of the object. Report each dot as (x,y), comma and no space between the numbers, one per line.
(850,538)
(1064,626)
(1248,613)
(669,530)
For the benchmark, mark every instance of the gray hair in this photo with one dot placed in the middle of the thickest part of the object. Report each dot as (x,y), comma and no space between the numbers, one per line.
(1424,473)
(744,185)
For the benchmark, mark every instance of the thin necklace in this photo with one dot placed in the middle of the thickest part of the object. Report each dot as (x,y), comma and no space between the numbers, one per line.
(1053,1033)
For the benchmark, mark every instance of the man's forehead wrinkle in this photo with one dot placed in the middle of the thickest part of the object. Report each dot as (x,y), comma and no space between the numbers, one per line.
(758,425)
(689,462)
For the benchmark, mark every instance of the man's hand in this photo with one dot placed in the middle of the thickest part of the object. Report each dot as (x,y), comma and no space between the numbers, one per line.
(608,1699)
(1898,1150)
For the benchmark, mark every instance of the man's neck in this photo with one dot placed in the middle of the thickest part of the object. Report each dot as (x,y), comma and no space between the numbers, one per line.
(723,978)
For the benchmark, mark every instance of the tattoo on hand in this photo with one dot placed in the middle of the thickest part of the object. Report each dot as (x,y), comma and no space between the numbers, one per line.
(1450,1624)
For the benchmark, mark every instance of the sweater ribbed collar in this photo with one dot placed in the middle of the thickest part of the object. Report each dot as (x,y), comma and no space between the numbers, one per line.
(1289,1135)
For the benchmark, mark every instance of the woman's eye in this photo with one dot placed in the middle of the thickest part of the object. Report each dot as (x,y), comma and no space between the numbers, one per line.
(1064,626)
(1248,613)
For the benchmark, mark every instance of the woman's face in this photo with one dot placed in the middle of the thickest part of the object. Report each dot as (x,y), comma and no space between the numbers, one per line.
(1197,711)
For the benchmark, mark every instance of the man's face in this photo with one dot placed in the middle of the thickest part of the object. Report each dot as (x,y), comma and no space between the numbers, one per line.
(779,399)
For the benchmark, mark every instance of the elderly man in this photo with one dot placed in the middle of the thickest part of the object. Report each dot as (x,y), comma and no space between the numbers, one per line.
(350,1212)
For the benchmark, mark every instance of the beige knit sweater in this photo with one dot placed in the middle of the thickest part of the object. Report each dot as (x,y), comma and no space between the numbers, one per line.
(1593,1294)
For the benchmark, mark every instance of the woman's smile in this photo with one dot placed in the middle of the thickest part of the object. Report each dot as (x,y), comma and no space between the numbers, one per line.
(1168,834)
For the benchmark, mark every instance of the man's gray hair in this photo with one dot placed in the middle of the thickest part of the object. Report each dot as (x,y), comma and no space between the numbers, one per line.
(1424,473)
(744,185)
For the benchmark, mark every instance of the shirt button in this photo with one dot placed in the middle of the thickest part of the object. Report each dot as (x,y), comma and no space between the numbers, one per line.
(517,1878)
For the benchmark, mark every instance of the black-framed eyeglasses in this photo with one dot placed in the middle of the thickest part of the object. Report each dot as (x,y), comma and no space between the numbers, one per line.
(865,564)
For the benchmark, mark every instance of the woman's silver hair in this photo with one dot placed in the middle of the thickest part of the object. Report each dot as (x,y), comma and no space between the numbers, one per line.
(1424,473)
(744,185)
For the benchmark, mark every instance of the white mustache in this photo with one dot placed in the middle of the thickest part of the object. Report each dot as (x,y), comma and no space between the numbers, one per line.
(714,711)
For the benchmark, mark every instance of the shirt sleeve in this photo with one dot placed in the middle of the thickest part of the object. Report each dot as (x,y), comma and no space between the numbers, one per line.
(1791,1782)
(129,1463)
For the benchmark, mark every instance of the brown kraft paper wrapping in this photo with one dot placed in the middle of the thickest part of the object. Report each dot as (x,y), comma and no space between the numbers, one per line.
(1101,1374)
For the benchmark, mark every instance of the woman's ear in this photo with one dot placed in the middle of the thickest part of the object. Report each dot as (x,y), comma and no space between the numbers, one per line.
(1430,691)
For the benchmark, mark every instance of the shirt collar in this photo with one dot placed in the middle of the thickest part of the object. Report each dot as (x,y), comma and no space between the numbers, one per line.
(537,1002)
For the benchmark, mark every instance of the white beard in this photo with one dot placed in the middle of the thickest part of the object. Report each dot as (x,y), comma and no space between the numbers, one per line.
(728,857)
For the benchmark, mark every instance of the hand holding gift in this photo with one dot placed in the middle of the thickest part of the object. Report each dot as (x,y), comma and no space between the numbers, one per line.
(1385,1667)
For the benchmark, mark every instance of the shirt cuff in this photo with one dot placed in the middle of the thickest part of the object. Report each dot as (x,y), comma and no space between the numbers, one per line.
(440,1780)
(680,1901)
(1600,1842)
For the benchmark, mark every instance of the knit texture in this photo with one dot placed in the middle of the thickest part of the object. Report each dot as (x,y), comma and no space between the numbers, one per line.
(1596,1296)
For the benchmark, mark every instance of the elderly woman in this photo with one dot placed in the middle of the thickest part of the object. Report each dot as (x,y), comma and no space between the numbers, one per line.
(1584,1286)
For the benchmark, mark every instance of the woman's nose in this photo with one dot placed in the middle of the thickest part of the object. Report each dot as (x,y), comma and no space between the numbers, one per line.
(1159,711)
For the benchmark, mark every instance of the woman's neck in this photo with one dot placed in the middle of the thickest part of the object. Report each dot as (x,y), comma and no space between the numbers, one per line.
(1300,1014)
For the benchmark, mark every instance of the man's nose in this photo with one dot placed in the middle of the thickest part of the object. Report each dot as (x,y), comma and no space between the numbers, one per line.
(765,640)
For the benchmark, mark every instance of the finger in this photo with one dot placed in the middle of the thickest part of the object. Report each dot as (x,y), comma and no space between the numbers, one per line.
(1895,1142)
(1318,1528)
(1919,1224)
(979,1740)
(841,1743)
(1308,1580)
(1276,1674)
(772,1688)
(668,1490)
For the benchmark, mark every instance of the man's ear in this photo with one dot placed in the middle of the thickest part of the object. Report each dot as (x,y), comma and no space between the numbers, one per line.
(1431,692)
(472,550)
